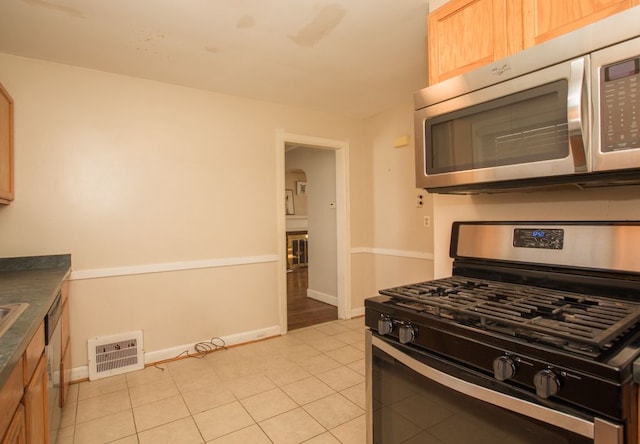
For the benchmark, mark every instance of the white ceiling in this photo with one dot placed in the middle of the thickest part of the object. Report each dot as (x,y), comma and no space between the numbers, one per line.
(353,57)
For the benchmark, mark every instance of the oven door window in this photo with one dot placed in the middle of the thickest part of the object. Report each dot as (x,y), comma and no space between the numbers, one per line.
(412,409)
(524,127)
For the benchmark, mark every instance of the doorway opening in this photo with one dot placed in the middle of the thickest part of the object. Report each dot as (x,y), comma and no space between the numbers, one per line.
(313,227)
(316,303)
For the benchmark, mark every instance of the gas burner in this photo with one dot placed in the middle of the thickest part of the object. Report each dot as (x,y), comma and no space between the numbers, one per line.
(575,322)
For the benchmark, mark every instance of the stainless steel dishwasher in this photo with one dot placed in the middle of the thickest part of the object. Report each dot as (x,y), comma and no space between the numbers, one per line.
(54,356)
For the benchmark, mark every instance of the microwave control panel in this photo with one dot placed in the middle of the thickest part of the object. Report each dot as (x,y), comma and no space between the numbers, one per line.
(620,123)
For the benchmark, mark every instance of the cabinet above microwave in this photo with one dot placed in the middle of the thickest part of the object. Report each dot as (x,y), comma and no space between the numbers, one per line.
(563,112)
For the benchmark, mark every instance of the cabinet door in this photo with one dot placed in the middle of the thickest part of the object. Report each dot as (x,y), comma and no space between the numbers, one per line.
(16,433)
(6,147)
(35,405)
(65,372)
(10,395)
(546,19)
(465,34)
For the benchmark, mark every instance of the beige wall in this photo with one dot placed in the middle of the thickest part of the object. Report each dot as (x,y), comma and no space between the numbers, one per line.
(166,197)
(435,4)
(403,245)
(161,194)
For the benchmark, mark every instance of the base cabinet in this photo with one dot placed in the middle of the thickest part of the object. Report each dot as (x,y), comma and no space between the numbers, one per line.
(35,402)
(24,411)
(16,433)
(10,397)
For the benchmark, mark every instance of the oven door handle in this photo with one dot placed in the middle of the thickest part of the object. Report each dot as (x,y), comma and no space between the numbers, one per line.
(601,431)
(576,120)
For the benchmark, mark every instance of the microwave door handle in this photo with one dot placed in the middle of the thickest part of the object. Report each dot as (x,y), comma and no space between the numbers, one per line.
(575,119)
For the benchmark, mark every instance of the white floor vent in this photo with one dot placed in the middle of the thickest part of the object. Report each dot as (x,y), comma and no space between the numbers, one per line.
(114,355)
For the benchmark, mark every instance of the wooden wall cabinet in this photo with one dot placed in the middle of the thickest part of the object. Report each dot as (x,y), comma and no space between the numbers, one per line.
(465,34)
(546,19)
(6,146)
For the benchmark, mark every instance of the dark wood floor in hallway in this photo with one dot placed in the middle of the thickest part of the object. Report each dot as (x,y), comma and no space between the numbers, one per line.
(303,311)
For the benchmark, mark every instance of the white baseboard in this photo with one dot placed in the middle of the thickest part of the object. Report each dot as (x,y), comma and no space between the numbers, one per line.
(357,312)
(322,297)
(79,373)
(82,372)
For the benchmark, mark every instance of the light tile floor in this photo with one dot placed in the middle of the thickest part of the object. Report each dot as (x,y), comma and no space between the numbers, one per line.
(307,386)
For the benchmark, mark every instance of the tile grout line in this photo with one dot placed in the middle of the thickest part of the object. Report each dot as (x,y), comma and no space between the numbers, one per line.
(305,337)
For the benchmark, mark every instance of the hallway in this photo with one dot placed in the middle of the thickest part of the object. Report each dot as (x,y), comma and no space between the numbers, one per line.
(303,311)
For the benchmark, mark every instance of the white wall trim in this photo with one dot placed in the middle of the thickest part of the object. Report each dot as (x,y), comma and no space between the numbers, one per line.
(357,312)
(389,252)
(82,372)
(96,273)
(322,297)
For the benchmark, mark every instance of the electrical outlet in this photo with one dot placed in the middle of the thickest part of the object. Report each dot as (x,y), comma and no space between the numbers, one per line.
(427,221)
(419,201)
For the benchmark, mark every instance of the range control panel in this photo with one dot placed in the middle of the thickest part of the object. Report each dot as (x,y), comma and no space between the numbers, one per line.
(549,238)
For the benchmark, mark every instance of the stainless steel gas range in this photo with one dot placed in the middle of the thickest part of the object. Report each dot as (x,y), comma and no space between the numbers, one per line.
(533,339)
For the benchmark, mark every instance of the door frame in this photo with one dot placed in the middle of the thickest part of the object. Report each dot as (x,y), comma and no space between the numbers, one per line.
(343,226)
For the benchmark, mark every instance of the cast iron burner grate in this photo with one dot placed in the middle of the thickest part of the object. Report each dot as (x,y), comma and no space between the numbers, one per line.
(563,319)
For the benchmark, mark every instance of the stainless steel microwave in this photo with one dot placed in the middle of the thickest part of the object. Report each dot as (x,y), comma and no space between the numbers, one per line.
(566,112)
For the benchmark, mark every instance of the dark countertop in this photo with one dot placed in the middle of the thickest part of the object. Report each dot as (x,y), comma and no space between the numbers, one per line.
(35,280)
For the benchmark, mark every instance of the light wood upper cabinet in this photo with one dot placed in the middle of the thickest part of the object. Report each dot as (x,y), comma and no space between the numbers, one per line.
(546,19)
(465,34)
(6,146)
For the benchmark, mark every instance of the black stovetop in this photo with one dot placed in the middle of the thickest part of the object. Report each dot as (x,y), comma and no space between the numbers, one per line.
(577,323)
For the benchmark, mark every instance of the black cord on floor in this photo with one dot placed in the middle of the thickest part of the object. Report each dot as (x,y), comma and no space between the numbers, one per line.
(202,349)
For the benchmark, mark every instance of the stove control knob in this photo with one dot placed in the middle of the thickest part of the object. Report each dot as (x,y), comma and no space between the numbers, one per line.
(504,368)
(385,325)
(406,333)
(547,383)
